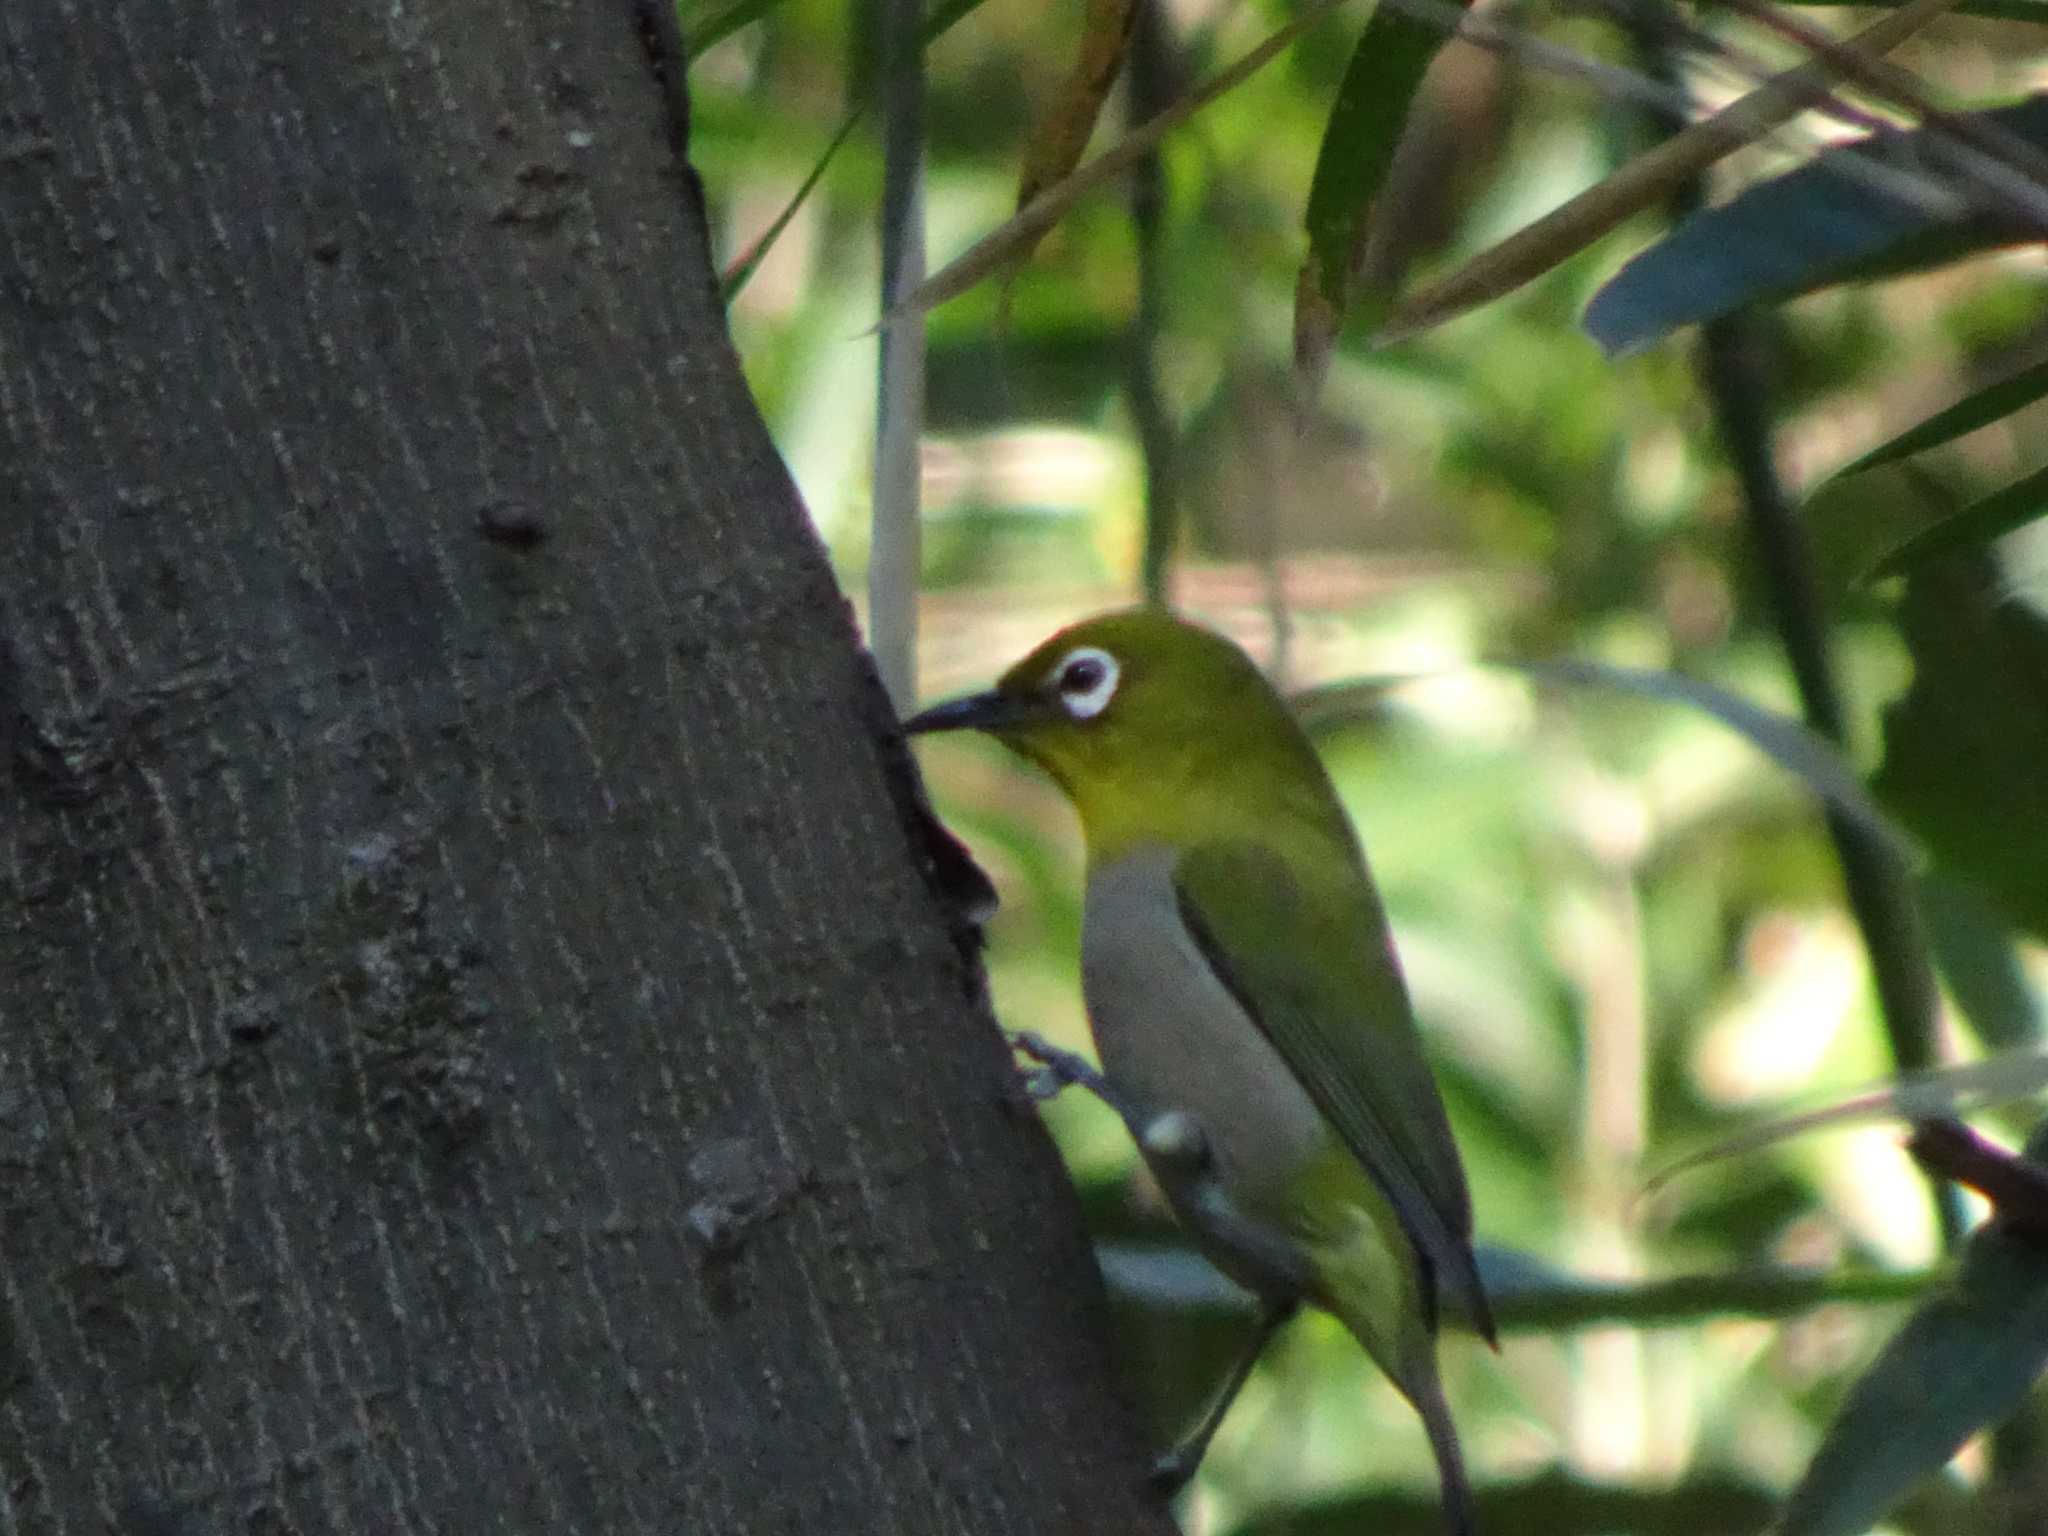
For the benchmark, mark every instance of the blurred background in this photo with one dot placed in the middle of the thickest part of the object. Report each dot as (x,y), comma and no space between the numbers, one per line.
(1626,928)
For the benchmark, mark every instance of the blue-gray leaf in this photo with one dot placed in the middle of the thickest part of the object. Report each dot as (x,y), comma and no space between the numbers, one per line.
(1892,203)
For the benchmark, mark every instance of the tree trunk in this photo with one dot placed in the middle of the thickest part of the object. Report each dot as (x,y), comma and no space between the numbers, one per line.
(476,1050)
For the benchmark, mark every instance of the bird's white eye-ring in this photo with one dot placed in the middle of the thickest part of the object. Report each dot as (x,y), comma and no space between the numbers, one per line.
(1084,680)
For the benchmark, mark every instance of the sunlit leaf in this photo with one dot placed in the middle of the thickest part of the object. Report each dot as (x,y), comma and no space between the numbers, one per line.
(1364,128)
(1987,405)
(1963,1361)
(1872,209)
(1647,181)
(1965,746)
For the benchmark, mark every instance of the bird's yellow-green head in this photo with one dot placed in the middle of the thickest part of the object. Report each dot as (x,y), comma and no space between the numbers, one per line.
(1157,729)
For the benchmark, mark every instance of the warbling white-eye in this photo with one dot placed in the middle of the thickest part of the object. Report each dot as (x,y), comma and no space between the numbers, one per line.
(1245,998)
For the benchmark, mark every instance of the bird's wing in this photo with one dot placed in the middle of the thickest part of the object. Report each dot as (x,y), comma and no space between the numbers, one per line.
(1343,1026)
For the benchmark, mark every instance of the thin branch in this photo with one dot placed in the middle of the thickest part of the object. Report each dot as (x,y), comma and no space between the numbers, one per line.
(1644,180)
(1544,1300)
(1762,1293)
(894,551)
(2003,164)
(996,249)
(2016,1188)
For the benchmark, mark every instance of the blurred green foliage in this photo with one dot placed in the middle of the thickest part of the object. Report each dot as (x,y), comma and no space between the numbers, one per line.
(1624,927)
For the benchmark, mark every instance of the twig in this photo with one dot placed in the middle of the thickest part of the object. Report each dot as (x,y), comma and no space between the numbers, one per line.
(1643,180)
(1059,1069)
(2016,1188)
(1539,1299)
(894,547)
(2001,163)
(995,249)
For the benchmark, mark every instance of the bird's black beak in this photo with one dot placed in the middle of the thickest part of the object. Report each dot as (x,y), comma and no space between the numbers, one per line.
(991,711)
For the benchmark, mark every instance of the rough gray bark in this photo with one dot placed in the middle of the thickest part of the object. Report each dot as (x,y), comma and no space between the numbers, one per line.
(476,1050)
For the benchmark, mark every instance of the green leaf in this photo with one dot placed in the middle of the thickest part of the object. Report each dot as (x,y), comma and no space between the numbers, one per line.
(1967,415)
(1974,947)
(1965,745)
(737,275)
(1865,211)
(1979,523)
(1963,1361)
(1366,120)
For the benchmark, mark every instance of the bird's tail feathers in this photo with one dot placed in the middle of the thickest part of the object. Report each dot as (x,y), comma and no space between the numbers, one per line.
(1477,1304)
(1460,1515)
(1408,1356)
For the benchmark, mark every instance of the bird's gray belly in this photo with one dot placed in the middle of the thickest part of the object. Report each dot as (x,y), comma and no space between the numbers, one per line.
(1172,1036)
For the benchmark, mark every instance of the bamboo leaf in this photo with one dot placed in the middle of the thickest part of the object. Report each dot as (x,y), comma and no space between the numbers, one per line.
(742,268)
(1371,109)
(1864,211)
(1964,746)
(1644,182)
(1980,522)
(1962,1362)
(1987,405)
(1061,134)
(1982,967)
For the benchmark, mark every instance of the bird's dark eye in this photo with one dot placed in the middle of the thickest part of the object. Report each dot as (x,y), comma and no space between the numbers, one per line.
(1084,680)
(1081,675)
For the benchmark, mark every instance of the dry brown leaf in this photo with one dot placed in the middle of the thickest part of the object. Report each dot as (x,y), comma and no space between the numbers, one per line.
(1060,136)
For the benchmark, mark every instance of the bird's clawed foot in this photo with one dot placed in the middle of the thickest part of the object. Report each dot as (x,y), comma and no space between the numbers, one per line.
(1058,1070)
